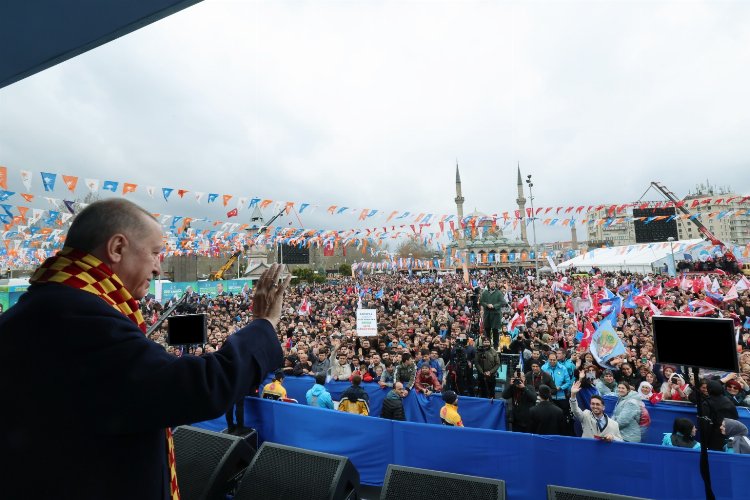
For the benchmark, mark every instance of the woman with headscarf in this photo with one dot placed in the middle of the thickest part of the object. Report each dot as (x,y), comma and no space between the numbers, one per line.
(682,435)
(716,407)
(646,392)
(677,390)
(736,433)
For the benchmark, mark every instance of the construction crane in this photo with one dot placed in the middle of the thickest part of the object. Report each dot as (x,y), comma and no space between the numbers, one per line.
(219,274)
(680,205)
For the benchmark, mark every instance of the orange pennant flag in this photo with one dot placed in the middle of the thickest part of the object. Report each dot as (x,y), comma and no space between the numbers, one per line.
(226,199)
(289,206)
(130,188)
(28,197)
(3,177)
(70,181)
(265,203)
(391,216)
(331,209)
(22,211)
(363,214)
(182,192)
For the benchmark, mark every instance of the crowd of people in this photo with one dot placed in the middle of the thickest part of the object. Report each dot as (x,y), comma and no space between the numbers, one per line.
(438,334)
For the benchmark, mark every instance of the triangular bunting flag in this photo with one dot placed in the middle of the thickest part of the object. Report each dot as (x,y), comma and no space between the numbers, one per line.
(48,180)
(93,185)
(71,181)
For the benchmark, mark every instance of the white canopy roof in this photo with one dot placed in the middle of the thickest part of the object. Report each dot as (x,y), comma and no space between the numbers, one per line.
(641,257)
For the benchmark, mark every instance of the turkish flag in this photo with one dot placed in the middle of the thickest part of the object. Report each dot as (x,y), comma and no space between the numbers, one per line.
(232,213)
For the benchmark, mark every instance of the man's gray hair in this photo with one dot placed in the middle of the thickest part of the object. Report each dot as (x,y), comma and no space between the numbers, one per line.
(98,222)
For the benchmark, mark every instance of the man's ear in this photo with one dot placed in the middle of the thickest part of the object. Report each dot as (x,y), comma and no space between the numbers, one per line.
(114,247)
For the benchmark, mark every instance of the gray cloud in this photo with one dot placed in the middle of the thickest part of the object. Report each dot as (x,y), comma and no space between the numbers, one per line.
(369,104)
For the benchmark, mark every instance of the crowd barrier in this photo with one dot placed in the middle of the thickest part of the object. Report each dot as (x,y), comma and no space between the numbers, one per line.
(488,414)
(526,462)
(476,412)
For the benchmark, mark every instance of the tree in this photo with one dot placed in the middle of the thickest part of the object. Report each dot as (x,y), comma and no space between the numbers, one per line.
(308,275)
(345,270)
(416,248)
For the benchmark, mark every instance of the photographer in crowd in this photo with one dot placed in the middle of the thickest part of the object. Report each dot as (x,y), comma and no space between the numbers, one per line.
(522,398)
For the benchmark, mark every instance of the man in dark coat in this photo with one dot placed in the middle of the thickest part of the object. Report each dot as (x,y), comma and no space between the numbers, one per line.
(521,398)
(716,407)
(546,417)
(86,392)
(393,404)
(537,377)
(488,362)
(493,301)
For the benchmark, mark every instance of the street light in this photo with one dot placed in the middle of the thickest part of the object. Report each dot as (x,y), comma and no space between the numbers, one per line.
(671,249)
(533,225)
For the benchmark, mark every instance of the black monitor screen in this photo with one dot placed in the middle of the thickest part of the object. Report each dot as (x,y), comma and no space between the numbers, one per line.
(188,329)
(702,342)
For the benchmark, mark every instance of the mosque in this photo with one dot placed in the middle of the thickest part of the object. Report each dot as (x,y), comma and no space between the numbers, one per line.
(483,241)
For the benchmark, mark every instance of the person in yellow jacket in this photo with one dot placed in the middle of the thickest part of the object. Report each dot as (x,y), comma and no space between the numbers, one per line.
(449,412)
(274,389)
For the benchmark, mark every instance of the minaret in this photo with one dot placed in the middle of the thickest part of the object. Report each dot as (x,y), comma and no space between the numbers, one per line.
(522,206)
(460,210)
(573,236)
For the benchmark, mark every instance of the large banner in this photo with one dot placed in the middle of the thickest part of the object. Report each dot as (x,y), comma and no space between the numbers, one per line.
(210,288)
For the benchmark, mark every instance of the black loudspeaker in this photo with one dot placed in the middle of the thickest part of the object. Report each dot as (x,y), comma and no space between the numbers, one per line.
(281,472)
(410,483)
(208,463)
(565,493)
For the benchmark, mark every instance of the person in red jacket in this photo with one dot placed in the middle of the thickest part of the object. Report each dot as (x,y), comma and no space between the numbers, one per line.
(426,381)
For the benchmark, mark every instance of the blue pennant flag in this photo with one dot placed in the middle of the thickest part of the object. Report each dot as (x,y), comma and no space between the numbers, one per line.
(212,197)
(4,195)
(379,295)
(110,186)
(166,192)
(48,180)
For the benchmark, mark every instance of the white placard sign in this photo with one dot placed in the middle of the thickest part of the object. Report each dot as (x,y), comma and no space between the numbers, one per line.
(367,323)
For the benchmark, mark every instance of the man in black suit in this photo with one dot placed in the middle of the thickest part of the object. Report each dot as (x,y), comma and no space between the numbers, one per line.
(546,417)
(75,344)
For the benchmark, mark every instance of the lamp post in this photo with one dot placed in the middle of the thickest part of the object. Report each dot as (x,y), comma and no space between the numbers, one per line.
(671,249)
(533,225)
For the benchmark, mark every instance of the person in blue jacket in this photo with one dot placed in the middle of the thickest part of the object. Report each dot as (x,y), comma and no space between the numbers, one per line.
(563,382)
(318,395)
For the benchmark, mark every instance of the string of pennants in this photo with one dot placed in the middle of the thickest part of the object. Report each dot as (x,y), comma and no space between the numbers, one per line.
(548,215)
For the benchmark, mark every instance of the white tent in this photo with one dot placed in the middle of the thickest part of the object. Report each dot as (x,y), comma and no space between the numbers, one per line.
(638,258)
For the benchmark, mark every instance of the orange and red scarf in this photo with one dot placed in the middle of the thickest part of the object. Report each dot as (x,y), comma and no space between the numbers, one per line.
(85,272)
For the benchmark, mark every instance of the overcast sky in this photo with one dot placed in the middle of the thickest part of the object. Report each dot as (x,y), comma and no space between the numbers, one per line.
(369,104)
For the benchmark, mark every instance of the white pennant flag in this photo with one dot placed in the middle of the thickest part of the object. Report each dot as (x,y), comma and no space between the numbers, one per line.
(26,179)
(198,196)
(241,202)
(731,294)
(150,190)
(93,185)
(715,286)
(53,201)
(742,284)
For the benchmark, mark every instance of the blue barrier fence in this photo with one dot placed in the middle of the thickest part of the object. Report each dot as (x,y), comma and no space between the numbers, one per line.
(526,462)
(486,414)
(476,412)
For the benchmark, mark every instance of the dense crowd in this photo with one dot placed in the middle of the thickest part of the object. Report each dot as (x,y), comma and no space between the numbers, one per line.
(436,333)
